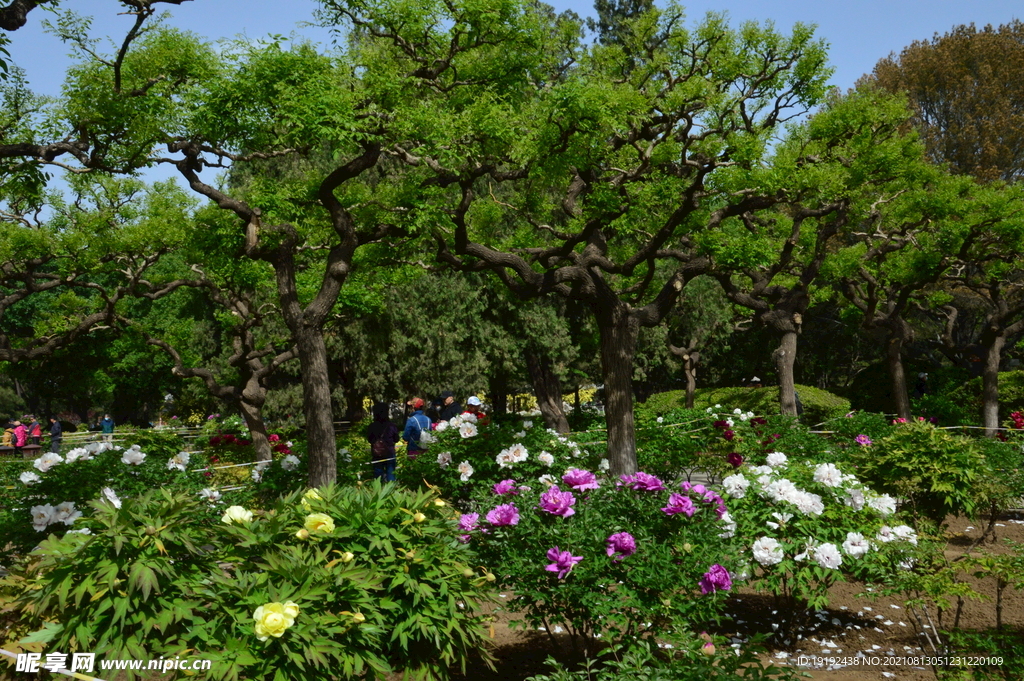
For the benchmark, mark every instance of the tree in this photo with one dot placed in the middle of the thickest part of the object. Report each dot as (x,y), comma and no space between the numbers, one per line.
(536,158)
(703,319)
(967,95)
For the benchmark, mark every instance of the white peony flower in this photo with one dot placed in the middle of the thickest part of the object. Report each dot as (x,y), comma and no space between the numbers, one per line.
(426,437)
(661,419)
(179,461)
(827,474)
(84,530)
(885,534)
(548,480)
(737,411)
(777,459)
(210,495)
(736,486)
(604,465)
(66,513)
(809,504)
(257,470)
(468,417)
(856,545)
(29,478)
(767,551)
(518,452)
(76,454)
(527,425)
(520,435)
(729,526)
(828,556)
(111,497)
(855,498)
(442,426)
(443,459)
(465,471)
(47,461)
(133,456)
(546,458)
(504,459)
(906,533)
(468,430)
(882,503)
(42,516)
(236,514)
(290,462)
(782,490)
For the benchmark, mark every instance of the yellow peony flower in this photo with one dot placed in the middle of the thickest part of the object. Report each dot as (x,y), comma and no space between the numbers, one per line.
(308,496)
(320,522)
(358,617)
(273,618)
(439,503)
(347,557)
(302,534)
(236,514)
(418,517)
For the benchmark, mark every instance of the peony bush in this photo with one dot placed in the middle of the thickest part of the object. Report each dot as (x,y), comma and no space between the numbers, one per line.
(601,558)
(464,456)
(339,582)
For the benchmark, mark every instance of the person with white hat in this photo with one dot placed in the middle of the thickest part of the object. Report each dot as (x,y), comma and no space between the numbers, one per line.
(475,407)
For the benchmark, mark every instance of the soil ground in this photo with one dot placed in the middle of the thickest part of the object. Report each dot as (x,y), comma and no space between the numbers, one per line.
(855,623)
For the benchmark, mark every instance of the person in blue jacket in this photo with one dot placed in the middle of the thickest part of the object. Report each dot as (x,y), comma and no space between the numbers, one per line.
(417,424)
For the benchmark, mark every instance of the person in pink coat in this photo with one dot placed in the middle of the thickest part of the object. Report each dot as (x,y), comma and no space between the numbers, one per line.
(20,436)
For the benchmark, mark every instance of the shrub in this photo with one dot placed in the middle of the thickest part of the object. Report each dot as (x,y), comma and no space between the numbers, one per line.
(819,405)
(600,557)
(370,579)
(465,456)
(807,526)
(938,473)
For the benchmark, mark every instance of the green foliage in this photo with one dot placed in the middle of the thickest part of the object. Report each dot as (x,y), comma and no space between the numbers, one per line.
(373,574)
(819,405)
(1011,396)
(697,662)
(936,472)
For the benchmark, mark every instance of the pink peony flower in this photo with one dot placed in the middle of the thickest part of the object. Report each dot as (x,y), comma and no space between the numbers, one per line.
(469,522)
(557,502)
(677,504)
(620,545)
(273,437)
(862,440)
(563,563)
(505,514)
(715,579)
(505,487)
(580,479)
(642,481)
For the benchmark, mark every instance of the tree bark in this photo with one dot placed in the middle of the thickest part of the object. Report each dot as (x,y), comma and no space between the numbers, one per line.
(316,394)
(900,394)
(993,343)
(785,358)
(548,390)
(498,389)
(690,360)
(252,412)
(618,330)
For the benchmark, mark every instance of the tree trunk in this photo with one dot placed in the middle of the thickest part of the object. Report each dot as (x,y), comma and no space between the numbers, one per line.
(252,412)
(690,369)
(618,330)
(548,390)
(785,358)
(900,395)
(316,399)
(990,382)
(498,389)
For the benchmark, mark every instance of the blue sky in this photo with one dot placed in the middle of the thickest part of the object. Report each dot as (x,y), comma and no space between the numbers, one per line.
(860,32)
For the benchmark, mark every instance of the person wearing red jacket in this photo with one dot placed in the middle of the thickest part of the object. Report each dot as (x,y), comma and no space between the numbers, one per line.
(20,436)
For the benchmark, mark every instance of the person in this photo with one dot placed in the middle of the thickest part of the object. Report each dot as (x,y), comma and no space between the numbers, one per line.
(20,436)
(415,426)
(107,424)
(56,435)
(8,437)
(382,436)
(475,407)
(449,407)
(35,431)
